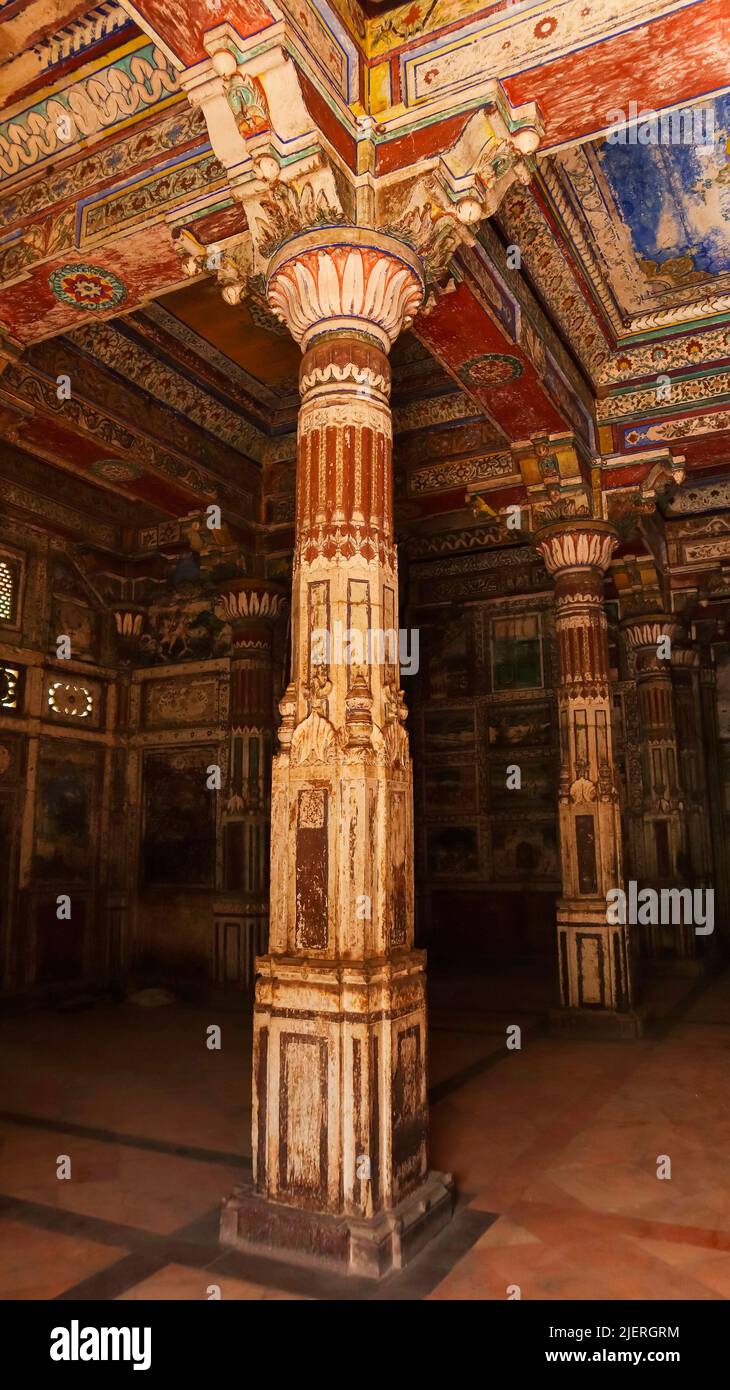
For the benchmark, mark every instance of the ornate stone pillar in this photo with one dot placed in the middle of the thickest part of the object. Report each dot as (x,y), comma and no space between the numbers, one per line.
(594,954)
(696,868)
(252,607)
(664,841)
(340,1110)
(715,792)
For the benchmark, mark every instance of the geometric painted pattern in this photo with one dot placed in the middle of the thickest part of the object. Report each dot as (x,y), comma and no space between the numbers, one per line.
(87,287)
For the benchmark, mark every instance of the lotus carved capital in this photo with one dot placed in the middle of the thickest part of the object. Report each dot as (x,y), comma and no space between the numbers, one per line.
(582,545)
(357,280)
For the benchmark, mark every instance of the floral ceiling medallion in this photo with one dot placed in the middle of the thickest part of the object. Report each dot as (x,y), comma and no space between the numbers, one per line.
(493,369)
(116,470)
(87,287)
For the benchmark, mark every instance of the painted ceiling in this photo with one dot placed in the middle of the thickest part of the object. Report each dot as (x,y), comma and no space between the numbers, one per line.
(675,198)
(246,334)
(625,248)
(657,214)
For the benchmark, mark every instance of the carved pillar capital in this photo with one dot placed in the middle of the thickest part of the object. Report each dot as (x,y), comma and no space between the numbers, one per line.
(572,545)
(644,631)
(686,657)
(129,621)
(649,636)
(250,605)
(357,280)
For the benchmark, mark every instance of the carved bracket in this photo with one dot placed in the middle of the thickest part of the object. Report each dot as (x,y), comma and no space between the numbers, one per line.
(466,183)
(264,137)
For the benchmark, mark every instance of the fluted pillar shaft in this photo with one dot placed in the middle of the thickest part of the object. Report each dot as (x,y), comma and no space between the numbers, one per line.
(714,807)
(340,1113)
(663,839)
(252,607)
(696,865)
(594,954)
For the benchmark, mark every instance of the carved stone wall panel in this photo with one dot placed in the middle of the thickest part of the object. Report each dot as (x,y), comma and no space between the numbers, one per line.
(72,699)
(186,701)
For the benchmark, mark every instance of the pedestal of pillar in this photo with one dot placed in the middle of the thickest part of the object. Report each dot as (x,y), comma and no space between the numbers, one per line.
(595,974)
(340,1116)
(371,1248)
(592,963)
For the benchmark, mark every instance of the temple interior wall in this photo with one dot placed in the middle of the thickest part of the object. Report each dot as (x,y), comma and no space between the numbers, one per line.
(104,761)
(485,750)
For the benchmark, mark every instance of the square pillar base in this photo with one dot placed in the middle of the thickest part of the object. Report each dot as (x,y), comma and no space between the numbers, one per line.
(371,1248)
(597,1023)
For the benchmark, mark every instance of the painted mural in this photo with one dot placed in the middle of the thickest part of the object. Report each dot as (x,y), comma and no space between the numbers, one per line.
(675,196)
(453,850)
(65,803)
(519,725)
(450,730)
(449,659)
(179,825)
(516,653)
(523,851)
(183,624)
(452,787)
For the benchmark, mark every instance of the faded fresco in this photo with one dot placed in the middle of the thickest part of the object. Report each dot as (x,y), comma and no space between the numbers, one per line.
(675,199)
(64,836)
(179,825)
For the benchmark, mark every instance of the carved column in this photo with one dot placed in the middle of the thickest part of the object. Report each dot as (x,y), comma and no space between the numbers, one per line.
(252,607)
(715,802)
(340,1111)
(663,841)
(594,955)
(696,866)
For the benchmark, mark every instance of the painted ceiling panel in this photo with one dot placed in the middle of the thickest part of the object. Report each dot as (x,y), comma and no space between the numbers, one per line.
(647,226)
(268,356)
(675,198)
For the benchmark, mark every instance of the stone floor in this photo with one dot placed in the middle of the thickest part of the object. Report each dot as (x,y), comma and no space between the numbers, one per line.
(554,1149)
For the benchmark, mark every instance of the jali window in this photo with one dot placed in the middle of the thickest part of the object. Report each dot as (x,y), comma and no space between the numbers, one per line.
(11,680)
(9,589)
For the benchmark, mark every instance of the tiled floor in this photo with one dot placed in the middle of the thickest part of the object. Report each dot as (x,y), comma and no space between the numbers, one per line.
(554,1148)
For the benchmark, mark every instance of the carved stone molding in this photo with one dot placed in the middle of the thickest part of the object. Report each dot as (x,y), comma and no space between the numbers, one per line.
(335,373)
(466,183)
(262,134)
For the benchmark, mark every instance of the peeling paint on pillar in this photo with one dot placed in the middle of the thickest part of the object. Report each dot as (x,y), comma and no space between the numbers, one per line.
(341,994)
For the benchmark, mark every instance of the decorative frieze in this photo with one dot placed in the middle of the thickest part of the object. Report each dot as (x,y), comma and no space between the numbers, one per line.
(129,88)
(439,477)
